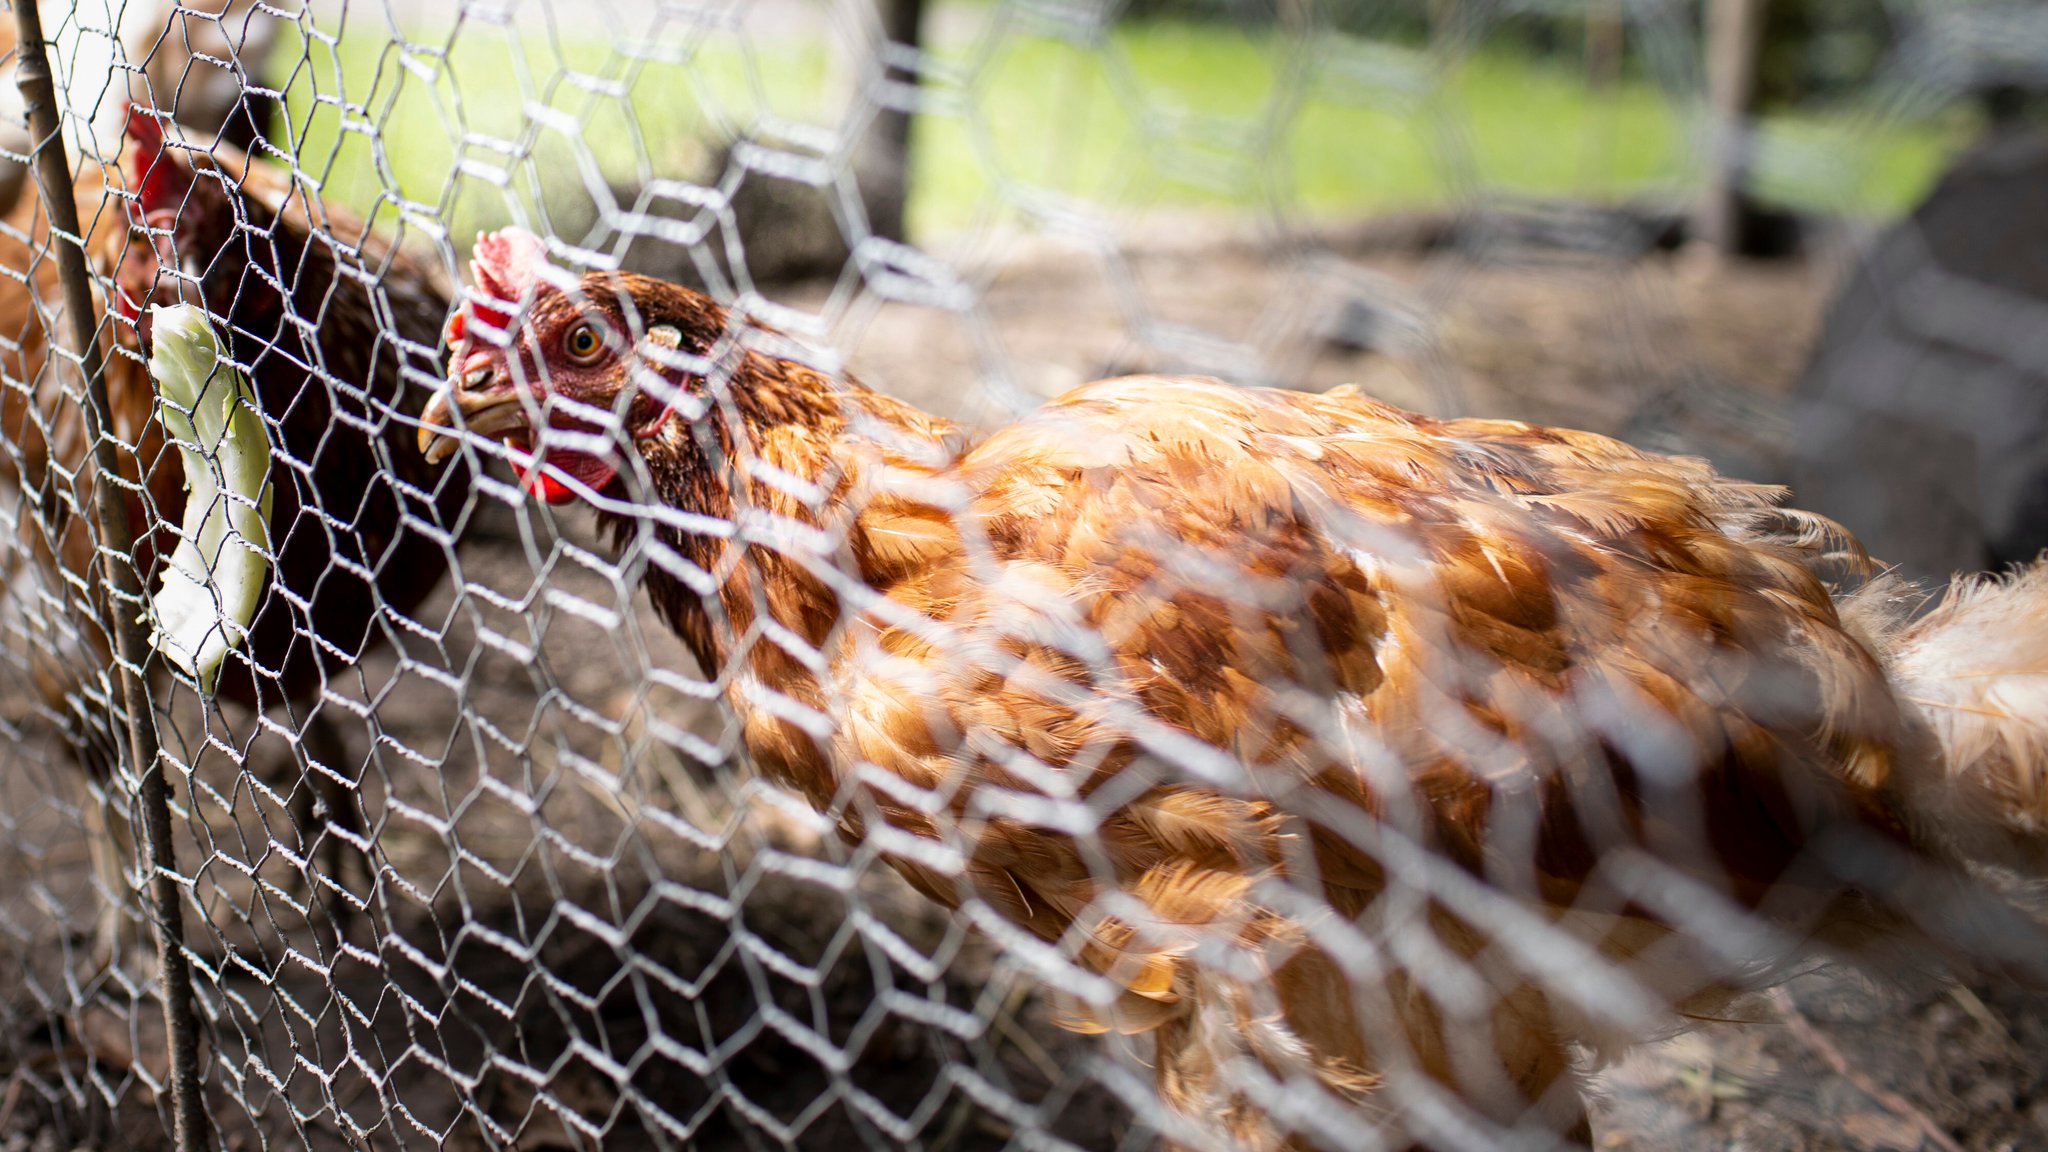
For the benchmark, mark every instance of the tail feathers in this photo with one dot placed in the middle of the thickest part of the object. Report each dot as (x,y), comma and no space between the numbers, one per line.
(1975,669)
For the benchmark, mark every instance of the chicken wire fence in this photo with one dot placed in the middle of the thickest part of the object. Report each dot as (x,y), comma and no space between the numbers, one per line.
(472,851)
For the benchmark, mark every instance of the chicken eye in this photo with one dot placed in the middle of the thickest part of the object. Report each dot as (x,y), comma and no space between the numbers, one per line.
(583,344)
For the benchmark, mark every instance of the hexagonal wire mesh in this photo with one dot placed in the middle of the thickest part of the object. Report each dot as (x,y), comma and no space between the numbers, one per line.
(1262,768)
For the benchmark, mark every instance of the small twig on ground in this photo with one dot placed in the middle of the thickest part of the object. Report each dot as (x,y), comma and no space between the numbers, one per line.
(1009,1026)
(1883,1097)
(9,1102)
(1982,1014)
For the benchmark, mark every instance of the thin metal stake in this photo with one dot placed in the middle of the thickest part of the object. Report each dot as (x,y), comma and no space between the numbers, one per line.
(124,592)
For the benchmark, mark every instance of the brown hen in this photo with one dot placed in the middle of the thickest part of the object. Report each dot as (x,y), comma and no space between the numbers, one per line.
(45,462)
(337,330)
(1374,766)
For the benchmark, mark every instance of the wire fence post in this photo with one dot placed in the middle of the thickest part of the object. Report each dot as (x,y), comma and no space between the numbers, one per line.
(124,593)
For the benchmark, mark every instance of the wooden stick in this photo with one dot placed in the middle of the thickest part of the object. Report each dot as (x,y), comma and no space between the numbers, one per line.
(124,599)
(1883,1097)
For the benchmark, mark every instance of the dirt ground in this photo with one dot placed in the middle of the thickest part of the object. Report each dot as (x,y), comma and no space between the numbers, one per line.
(571,868)
(1516,329)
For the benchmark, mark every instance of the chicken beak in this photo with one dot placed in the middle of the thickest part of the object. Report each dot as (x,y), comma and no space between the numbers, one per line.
(469,403)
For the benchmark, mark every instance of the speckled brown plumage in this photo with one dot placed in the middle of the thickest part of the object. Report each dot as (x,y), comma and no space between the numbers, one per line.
(1340,740)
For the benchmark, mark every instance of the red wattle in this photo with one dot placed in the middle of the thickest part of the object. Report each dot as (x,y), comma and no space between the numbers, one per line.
(548,489)
(537,473)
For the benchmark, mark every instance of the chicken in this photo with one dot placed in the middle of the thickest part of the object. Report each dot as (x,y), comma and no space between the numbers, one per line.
(204,63)
(200,61)
(1374,766)
(45,465)
(327,318)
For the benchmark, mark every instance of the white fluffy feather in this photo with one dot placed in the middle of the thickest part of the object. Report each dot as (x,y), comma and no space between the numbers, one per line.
(1976,668)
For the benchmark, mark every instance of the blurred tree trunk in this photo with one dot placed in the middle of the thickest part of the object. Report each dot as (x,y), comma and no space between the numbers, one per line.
(882,158)
(1606,43)
(1444,21)
(1734,37)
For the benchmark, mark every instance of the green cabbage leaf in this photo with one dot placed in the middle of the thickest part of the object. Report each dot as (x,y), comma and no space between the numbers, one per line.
(217,574)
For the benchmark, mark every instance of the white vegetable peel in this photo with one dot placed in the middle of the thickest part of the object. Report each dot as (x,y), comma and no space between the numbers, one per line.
(217,573)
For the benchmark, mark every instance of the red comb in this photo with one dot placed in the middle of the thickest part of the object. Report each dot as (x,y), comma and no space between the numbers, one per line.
(506,266)
(159,181)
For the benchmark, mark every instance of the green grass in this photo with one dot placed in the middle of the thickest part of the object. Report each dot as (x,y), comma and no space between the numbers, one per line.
(462,126)
(1160,115)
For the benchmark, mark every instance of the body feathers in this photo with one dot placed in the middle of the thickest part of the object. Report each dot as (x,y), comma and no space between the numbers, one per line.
(1337,743)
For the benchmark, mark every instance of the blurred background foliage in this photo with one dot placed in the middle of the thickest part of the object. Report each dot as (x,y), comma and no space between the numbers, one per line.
(1183,104)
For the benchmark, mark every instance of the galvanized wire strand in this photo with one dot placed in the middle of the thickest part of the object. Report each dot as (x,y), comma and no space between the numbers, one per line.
(497,872)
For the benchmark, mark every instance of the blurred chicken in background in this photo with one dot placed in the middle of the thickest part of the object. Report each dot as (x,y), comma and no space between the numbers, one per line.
(181,213)
(197,61)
